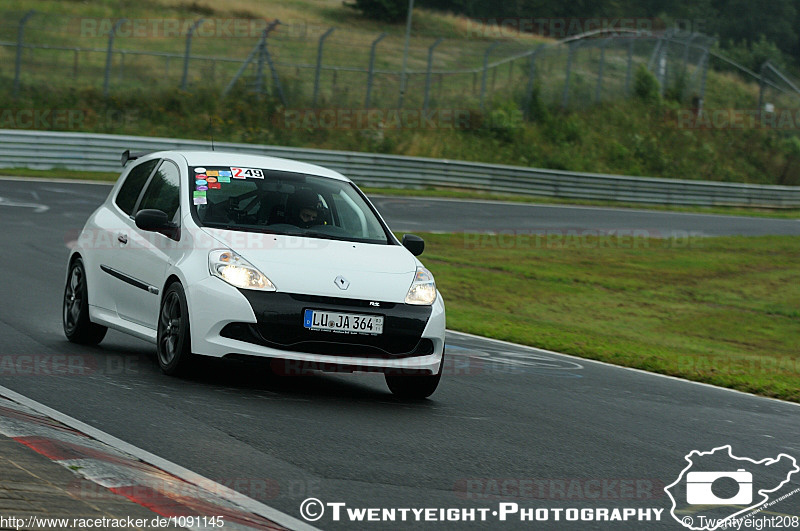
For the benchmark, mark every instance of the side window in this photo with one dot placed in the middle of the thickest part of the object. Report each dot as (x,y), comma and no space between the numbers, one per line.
(163,192)
(350,217)
(132,187)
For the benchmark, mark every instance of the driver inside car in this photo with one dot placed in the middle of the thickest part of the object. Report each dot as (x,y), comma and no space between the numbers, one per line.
(304,208)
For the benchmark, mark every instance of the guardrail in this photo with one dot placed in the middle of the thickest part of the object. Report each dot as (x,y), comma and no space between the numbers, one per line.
(97,152)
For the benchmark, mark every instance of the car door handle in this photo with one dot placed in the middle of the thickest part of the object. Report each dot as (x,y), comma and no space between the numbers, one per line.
(122,238)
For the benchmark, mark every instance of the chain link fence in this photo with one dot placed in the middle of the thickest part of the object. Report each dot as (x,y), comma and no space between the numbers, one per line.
(312,67)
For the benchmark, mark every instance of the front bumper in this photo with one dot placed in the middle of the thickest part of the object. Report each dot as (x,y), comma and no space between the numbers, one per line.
(227,322)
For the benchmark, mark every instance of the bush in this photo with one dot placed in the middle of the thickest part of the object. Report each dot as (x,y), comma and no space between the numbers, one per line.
(383,10)
(754,54)
(645,85)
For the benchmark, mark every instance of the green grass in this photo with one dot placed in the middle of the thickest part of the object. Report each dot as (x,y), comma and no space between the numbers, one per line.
(719,310)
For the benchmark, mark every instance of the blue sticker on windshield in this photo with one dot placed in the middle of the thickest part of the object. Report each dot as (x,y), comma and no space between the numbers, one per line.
(201,181)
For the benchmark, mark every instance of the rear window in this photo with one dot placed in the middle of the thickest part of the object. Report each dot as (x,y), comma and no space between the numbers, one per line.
(277,202)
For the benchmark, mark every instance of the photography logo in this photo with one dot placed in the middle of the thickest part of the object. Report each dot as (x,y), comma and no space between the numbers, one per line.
(699,488)
(716,487)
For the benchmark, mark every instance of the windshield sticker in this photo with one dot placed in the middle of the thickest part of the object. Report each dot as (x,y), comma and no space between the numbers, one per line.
(202,188)
(224,173)
(200,201)
(214,186)
(211,180)
(212,173)
(200,193)
(199,170)
(201,181)
(224,179)
(243,173)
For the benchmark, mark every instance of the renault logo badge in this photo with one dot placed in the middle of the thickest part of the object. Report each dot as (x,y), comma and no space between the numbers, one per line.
(341,282)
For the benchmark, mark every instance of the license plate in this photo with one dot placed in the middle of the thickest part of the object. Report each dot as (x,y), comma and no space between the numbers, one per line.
(352,323)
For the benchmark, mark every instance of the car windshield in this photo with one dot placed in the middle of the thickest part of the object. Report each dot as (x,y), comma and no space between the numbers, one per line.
(278,202)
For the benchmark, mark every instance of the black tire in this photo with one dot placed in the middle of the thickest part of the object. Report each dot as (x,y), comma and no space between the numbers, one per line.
(75,310)
(174,345)
(414,386)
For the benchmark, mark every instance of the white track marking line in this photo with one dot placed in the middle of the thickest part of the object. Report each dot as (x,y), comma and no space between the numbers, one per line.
(640,371)
(36,206)
(185,474)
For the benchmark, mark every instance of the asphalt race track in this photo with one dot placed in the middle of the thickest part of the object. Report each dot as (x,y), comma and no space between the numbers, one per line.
(447,215)
(502,412)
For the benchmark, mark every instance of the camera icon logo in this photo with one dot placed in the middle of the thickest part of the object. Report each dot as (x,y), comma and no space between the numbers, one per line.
(699,491)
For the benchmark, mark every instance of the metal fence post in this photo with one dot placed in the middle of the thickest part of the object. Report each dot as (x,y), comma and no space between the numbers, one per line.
(683,83)
(573,46)
(260,66)
(703,77)
(75,63)
(531,81)
(598,89)
(108,54)
(652,62)
(319,64)
(188,51)
(371,70)
(629,69)
(20,38)
(403,74)
(271,63)
(486,69)
(245,64)
(686,51)
(428,73)
(761,87)
(663,60)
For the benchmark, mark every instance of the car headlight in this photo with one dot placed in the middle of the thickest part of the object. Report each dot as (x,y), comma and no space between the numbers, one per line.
(237,271)
(423,289)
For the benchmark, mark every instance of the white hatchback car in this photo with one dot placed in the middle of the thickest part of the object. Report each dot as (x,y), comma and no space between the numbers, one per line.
(227,255)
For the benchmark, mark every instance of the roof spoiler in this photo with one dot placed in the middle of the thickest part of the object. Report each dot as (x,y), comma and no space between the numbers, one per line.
(127,155)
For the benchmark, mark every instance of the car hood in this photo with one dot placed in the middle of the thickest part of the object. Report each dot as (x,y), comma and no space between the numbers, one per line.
(311,265)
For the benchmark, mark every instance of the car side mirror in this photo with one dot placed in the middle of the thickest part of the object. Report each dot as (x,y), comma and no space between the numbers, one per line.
(414,244)
(152,220)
